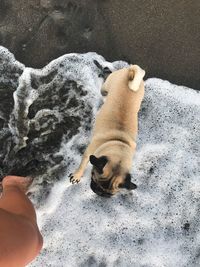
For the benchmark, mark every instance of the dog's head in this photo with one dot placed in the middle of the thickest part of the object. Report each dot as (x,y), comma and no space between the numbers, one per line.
(108,177)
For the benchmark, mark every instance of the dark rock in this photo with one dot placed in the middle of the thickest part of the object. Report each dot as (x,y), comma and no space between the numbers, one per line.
(161,36)
(186,226)
(46,110)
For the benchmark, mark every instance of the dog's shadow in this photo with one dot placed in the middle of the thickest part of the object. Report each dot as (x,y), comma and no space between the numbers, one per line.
(123,201)
(91,261)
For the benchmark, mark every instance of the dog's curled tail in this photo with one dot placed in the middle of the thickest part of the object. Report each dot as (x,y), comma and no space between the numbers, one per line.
(135,76)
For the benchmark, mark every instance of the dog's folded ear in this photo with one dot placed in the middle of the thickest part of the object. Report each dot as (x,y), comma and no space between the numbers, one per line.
(99,163)
(127,183)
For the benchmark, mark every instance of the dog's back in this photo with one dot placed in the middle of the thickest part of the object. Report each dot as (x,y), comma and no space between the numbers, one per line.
(119,112)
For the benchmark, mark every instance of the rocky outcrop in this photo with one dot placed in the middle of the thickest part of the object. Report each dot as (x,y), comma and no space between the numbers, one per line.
(42,111)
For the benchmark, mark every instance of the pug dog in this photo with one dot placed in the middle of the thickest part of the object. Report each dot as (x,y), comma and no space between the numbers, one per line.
(113,141)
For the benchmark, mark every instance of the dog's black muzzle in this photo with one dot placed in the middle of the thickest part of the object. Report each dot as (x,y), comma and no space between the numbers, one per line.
(98,189)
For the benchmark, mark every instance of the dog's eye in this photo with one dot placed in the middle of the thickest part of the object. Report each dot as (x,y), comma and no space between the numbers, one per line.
(105,184)
(121,185)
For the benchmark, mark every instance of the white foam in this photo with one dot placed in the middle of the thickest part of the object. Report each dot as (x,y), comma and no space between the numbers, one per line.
(8,61)
(156,225)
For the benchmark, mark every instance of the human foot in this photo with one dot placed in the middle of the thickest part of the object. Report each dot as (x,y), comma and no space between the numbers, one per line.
(21,182)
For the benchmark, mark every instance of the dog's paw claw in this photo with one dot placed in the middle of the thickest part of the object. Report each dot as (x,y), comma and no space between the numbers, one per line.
(74,178)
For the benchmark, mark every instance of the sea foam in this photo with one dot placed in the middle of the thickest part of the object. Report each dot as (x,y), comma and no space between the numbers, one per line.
(156,225)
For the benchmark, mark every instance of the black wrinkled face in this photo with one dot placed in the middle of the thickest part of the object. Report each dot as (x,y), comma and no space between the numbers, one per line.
(99,189)
(107,180)
(99,185)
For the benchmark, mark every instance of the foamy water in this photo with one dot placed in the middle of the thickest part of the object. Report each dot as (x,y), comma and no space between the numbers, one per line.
(45,127)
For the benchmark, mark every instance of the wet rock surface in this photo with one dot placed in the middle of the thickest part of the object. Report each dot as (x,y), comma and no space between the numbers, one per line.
(41,110)
(163,37)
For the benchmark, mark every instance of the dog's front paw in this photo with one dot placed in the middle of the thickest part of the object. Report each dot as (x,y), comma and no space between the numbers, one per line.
(75,177)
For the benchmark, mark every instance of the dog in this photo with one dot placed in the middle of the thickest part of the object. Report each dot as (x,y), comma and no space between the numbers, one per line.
(114,135)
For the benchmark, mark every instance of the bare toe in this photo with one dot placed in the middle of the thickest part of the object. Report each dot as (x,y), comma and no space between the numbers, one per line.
(22,182)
